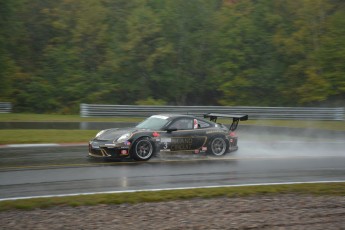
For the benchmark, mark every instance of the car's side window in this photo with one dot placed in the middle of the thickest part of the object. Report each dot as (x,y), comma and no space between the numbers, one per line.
(182,124)
(203,124)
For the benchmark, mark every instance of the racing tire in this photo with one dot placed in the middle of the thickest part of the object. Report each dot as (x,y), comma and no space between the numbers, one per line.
(218,147)
(142,149)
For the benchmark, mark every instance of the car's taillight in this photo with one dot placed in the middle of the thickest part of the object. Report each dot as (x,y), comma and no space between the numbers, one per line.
(232,134)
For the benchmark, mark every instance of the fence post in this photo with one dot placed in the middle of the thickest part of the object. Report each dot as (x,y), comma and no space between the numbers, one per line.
(83,110)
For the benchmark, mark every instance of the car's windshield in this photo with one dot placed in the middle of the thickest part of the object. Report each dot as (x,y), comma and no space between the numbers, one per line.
(155,122)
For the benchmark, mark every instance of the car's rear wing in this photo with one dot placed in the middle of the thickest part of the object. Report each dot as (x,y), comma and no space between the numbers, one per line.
(235,118)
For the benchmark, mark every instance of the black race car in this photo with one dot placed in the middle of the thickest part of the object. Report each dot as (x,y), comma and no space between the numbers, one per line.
(167,132)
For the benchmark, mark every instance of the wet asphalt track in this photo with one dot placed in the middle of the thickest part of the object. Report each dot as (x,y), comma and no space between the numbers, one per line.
(66,170)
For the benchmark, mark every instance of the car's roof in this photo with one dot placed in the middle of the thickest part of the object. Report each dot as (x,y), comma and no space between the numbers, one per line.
(174,115)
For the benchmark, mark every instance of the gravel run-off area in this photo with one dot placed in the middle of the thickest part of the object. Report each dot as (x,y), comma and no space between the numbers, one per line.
(255,212)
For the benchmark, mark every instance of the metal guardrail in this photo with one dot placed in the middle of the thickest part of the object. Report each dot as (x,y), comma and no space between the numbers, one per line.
(5,107)
(293,113)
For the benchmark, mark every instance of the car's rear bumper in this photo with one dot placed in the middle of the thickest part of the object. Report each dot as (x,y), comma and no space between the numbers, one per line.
(233,148)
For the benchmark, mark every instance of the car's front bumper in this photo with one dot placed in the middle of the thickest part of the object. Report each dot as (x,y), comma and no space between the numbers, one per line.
(108,150)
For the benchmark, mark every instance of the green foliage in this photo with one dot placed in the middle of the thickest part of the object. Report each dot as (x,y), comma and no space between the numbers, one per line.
(10,33)
(55,55)
(245,55)
(10,136)
(150,101)
(300,38)
(332,53)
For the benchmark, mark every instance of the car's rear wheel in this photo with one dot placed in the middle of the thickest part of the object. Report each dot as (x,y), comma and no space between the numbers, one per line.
(218,146)
(142,149)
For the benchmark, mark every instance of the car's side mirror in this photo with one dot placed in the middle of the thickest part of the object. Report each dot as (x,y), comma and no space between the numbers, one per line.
(169,130)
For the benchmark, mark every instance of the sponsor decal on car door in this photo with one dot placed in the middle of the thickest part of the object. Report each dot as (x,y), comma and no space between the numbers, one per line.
(186,137)
(180,140)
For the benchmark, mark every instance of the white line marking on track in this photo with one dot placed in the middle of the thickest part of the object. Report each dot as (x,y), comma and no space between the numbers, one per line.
(166,189)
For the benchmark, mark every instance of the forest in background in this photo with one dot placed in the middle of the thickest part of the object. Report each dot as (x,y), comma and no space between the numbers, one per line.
(57,54)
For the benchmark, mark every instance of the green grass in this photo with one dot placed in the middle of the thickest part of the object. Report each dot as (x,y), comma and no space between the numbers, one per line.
(317,189)
(19,117)
(31,136)
(22,136)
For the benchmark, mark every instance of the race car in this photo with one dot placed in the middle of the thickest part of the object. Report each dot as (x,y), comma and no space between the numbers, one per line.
(167,133)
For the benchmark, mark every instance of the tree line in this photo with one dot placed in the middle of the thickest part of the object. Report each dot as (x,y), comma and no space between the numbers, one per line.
(58,54)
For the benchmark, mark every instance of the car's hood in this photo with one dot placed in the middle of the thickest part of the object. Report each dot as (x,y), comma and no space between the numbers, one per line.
(113,134)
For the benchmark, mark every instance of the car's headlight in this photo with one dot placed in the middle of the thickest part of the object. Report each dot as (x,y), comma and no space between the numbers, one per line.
(124,137)
(100,133)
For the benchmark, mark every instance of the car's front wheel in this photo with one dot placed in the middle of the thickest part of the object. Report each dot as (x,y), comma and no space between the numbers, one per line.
(218,146)
(142,149)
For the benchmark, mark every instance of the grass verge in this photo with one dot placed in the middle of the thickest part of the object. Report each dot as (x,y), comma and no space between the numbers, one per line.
(24,136)
(318,189)
(34,136)
(19,117)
